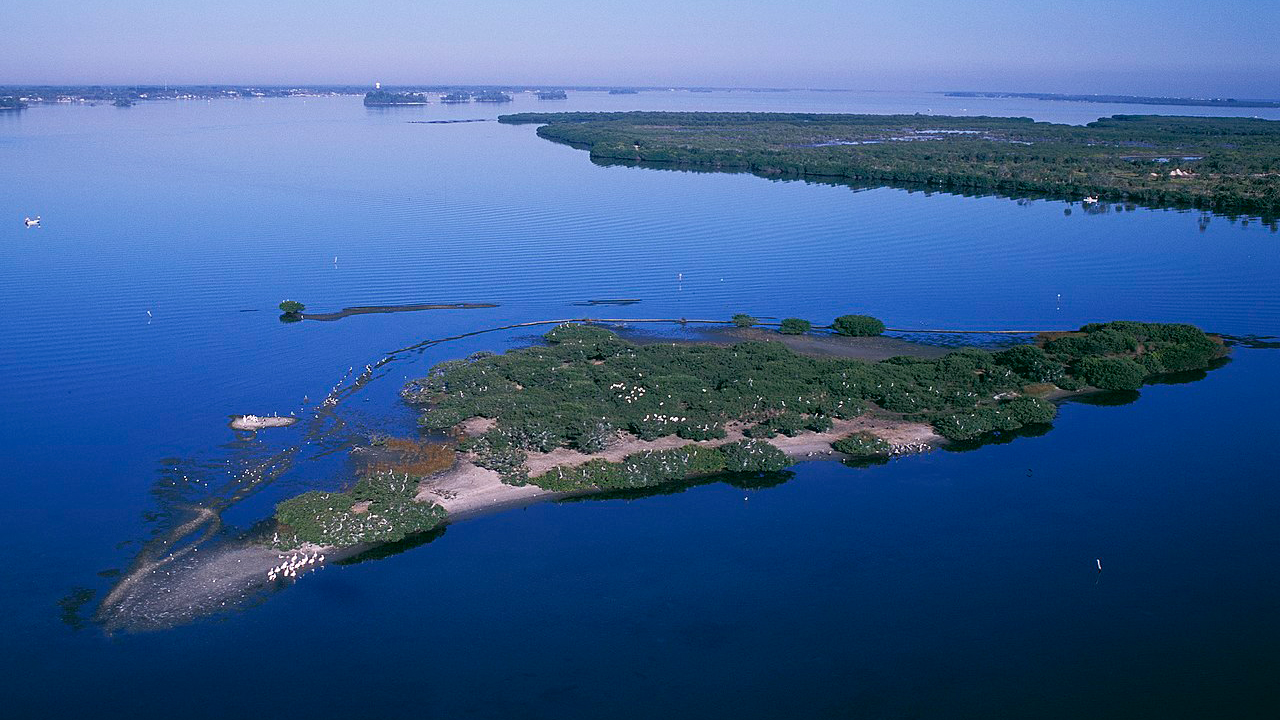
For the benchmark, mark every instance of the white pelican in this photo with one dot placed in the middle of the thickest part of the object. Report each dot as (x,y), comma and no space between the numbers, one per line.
(32,222)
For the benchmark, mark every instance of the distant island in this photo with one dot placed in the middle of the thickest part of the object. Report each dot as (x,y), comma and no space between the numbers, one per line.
(94,94)
(493,96)
(1230,165)
(11,103)
(382,98)
(1125,99)
(590,412)
(623,91)
(455,98)
(553,95)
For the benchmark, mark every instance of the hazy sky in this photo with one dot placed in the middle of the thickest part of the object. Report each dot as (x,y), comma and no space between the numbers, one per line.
(1202,47)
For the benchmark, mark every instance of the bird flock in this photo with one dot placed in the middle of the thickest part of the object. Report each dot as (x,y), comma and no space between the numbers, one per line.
(292,564)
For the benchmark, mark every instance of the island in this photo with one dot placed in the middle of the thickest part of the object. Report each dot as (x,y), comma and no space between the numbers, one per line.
(1229,165)
(1124,99)
(591,412)
(493,96)
(383,98)
(456,98)
(552,95)
(11,103)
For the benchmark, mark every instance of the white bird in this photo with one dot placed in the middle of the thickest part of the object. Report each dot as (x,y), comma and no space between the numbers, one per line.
(1099,560)
(32,222)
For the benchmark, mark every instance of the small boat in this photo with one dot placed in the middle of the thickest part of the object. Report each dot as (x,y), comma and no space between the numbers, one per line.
(1090,200)
(32,222)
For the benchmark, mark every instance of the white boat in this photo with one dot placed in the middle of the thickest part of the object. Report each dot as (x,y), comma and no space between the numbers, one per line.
(32,222)
(1090,200)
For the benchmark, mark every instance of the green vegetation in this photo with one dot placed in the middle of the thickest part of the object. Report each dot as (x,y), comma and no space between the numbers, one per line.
(1031,362)
(794,326)
(1005,416)
(493,96)
(11,103)
(552,95)
(586,386)
(375,98)
(792,424)
(743,320)
(380,508)
(1224,164)
(862,444)
(291,307)
(1111,373)
(857,325)
(650,468)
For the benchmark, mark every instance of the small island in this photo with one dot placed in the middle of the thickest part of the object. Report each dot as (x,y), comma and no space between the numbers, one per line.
(493,96)
(552,95)
(383,98)
(1229,165)
(456,98)
(591,412)
(11,103)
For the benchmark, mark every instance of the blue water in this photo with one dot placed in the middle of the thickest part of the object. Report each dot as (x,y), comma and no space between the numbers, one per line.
(945,585)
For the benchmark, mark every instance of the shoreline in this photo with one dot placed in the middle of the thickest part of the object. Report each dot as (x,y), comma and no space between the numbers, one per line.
(467,490)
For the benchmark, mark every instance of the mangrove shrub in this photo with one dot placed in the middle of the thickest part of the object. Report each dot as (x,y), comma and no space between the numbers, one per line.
(1111,373)
(857,325)
(795,326)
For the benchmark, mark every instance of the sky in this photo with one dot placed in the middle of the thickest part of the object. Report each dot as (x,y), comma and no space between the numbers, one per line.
(1216,48)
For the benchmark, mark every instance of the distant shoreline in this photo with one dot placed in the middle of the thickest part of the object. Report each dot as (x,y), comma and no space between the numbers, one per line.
(1122,99)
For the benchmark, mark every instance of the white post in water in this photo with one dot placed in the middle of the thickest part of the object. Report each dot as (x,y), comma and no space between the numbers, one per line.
(1099,560)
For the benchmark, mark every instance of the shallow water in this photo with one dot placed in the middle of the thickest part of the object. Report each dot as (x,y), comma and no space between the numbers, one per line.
(958,584)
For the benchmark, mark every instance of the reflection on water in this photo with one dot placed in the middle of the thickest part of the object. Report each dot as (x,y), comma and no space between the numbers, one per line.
(387,550)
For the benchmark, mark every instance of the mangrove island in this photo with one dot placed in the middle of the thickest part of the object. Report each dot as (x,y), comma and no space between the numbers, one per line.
(382,98)
(590,412)
(1230,165)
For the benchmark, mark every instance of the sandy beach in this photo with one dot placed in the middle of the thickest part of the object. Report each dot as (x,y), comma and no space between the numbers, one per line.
(467,490)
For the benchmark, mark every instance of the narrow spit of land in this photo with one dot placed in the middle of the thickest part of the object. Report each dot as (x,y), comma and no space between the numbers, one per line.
(378,309)
(1229,165)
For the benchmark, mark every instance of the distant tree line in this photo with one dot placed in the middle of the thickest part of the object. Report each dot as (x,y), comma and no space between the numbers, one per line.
(1230,165)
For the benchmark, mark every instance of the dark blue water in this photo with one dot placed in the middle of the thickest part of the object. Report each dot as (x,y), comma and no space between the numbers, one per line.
(952,584)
